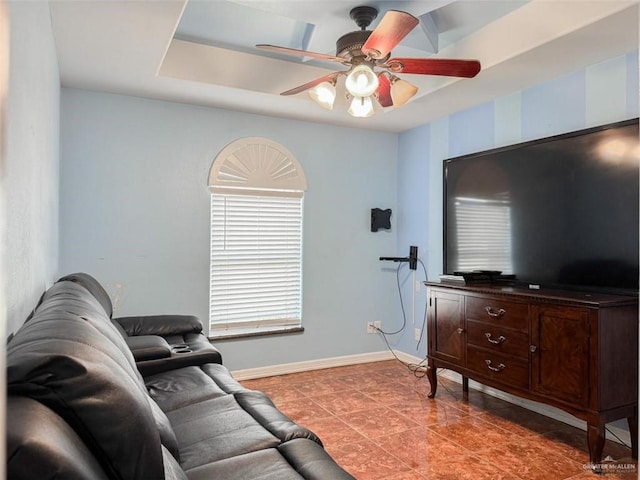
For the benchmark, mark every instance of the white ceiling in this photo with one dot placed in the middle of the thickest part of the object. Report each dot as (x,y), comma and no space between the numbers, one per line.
(203,51)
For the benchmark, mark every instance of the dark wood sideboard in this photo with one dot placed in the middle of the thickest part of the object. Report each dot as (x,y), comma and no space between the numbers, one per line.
(576,351)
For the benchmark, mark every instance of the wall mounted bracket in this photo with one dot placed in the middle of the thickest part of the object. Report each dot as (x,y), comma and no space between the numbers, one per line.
(412,258)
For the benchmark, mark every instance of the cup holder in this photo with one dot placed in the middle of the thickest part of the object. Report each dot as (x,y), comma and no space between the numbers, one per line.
(181,349)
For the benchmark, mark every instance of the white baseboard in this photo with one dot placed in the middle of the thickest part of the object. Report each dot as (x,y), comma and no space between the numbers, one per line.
(407,358)
(306,366)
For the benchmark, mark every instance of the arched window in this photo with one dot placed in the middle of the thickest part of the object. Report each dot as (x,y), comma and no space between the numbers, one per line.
(257,190)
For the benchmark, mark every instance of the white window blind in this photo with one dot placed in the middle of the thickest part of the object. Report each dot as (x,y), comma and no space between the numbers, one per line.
(256,262)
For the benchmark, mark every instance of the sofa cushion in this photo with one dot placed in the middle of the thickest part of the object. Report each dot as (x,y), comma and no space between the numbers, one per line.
(260,407)
(217,428)
(312,461)
(294,460)
(223,378)
(184,386)
(178,388)
(63,361)
(264,465)
(181,387)
(42,445)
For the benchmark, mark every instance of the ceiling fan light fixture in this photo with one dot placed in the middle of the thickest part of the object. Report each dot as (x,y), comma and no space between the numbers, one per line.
(363,52)
(361,107)
(361,81)
(401,91)
(324,94)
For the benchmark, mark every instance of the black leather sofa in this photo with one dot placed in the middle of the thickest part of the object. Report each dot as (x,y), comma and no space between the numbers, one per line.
(79,408)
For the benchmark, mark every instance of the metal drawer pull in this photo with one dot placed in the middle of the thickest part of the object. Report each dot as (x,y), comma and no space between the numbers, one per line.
(460,331)
(499,368)
(495,341)
(497,314)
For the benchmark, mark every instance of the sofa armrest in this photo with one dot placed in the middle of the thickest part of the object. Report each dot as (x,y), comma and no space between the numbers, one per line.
(162,325)
(148,347)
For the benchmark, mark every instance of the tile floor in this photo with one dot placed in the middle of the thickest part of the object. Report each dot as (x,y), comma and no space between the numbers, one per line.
(377,422)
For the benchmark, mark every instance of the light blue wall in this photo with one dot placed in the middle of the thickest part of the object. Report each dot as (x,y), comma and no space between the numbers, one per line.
(412,230)
(135,207)
(135,213)
(599,94)
(30,175)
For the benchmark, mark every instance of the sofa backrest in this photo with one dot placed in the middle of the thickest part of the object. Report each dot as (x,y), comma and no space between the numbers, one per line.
(40,444)
(73,297)
(70,358)
(94,287)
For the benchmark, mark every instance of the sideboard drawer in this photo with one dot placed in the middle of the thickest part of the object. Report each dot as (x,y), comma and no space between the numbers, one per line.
(499,339)
(504,369)
(499,312)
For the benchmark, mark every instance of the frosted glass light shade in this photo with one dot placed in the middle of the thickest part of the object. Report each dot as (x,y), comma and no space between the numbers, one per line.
(361,82)
(361,107)
(401,91)
(324,94)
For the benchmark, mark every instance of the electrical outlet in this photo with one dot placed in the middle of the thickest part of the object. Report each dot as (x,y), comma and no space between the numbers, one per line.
(416,334)
(417,285)
(373,327)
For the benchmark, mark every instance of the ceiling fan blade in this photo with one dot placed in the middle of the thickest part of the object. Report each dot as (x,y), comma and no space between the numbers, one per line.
(383,94)
(393,27)
(327,78)
(304,53)
(435,66)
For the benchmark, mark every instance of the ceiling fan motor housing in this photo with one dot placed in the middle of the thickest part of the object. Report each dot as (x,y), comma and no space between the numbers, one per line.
(349,47)
(350,44)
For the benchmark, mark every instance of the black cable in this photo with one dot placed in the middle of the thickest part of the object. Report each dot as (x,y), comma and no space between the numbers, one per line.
(404,313)
(415,368)
(419,370)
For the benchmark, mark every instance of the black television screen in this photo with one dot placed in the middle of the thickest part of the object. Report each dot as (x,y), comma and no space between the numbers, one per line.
(561,212)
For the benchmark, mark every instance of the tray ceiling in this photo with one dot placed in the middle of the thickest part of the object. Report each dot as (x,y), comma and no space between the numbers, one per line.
(203,51)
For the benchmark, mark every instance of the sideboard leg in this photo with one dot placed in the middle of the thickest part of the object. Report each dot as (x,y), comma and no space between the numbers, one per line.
(433,380)
(465,385)
(633,432)
(595,441)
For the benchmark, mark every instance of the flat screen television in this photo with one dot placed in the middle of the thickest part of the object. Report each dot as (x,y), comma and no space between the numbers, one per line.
(560,212)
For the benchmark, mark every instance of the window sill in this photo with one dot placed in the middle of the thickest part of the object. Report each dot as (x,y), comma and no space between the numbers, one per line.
(247,333)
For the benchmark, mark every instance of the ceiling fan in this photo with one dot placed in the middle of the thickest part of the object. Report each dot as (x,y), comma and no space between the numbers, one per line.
(364,51)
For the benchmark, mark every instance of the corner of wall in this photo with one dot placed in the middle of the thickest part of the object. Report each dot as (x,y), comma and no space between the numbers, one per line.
(31,187)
